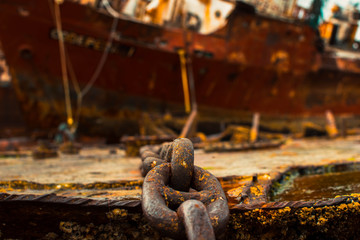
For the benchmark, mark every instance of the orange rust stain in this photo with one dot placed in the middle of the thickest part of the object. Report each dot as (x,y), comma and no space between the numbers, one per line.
(289,154)
(207,15)
(134,172)
(160,10)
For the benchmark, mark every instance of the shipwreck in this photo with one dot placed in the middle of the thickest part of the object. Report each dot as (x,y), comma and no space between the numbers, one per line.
(126,69)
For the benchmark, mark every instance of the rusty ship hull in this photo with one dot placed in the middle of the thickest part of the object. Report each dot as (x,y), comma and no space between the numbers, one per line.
(253,64)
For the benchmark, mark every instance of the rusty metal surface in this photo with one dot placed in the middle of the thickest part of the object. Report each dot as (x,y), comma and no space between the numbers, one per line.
(273,63)
(168,204)
(80,202)
(295,204)
(248,199)
(209,193)
(229,146)
(194,215)
(282,221)
(11,119)
(181,164)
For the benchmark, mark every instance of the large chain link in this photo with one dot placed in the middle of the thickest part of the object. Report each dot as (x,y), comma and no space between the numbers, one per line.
(180,199)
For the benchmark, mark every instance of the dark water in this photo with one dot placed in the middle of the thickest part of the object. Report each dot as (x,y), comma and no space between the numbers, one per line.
(321,187)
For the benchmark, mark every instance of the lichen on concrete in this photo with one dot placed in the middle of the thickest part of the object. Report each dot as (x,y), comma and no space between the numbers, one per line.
(328,222)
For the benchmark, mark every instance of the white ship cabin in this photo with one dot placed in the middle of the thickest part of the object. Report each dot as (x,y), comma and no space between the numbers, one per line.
(203,16)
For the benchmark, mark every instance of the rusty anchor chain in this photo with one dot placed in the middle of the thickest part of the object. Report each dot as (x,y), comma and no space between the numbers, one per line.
(180,199)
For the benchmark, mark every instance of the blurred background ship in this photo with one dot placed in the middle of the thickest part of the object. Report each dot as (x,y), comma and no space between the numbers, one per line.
(139,67)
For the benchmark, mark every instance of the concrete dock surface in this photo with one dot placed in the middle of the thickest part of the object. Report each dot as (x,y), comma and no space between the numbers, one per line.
(95,164)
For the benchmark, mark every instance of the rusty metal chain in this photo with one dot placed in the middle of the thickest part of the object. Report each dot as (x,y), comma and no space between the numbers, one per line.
(180,199)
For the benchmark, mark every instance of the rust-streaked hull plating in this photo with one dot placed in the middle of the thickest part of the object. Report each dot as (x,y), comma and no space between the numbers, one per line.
(253,64)
(11,119)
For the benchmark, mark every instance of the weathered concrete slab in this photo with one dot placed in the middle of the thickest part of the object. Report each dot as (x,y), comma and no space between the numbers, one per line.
(293,153)
(99,165)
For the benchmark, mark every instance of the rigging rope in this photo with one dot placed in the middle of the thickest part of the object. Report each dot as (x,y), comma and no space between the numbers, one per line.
(102,60)
(66,63)
(70,119)
(110,10)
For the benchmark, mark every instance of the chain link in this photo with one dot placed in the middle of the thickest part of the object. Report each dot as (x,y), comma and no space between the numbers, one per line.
(180,199)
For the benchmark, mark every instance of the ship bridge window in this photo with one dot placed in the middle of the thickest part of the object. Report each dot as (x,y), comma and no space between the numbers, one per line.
(205,54)
(217,14)
(163,43)
(193,22)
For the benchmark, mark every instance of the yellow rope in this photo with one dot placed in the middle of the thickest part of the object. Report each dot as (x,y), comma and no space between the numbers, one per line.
(67,68)
(184,80)
(70,119)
